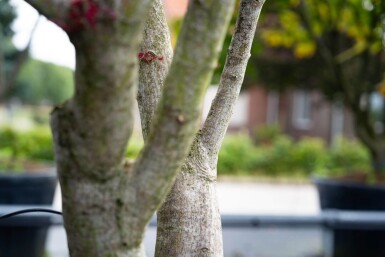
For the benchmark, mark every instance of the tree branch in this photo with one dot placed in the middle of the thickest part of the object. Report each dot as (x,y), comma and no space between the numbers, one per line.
(156,38)
(91,132)
(73,15)
(177,116)
(106,83)
(232,76)
(50,8)
(333,66)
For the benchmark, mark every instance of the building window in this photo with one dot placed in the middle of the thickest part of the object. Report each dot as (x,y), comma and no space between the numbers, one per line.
(272,107)
(337,120)
(302,110)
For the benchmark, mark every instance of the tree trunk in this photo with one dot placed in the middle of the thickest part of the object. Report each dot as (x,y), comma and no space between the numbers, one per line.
(189,221)
(108,202)
(375,143)
(91,133)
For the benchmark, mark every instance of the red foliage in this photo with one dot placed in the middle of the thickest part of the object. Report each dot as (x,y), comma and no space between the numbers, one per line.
(149,56)
(83,14)
(91,13)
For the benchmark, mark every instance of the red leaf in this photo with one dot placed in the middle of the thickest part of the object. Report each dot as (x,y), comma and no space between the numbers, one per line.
(91,13)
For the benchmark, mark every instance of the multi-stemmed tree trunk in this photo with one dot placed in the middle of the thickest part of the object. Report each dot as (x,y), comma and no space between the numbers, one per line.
(108,202)
(189,221)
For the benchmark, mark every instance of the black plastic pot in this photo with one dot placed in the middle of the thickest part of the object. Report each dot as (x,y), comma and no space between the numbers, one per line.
(357,241)
(27,240)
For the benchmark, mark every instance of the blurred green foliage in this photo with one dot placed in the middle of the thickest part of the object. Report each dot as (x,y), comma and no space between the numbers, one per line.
(8,52)
(7,15)
(134,147)
(284,157)
(350,155)
(266,134)
(311,156)
(239,154)
(35,145)
(299,24)
(40,82)
(335,46)
(17,148)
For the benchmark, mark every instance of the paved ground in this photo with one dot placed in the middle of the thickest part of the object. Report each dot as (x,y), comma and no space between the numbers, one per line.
(257,198)
(247,198)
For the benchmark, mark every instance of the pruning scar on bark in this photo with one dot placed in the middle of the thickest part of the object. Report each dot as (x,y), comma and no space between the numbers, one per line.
(180,118)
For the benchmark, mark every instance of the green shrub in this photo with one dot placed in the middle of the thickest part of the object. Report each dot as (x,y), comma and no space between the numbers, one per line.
(277,157)
(17,147)
(283,156)
(237,155)
(347,156)
(309,155)
(267,134)
(40,144)
(35,144)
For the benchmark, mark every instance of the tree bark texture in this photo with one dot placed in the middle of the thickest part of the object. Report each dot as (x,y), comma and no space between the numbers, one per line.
(195,57)
(156,38)
(91,133)
(189,221)
(108,202)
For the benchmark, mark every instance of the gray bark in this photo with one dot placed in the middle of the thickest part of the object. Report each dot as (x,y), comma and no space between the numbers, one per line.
(189,220)
(192,65)
(230,84)
(107,202)
(91,133)
(156,37)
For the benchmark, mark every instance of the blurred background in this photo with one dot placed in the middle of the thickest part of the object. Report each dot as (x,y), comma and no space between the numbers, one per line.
(312,105)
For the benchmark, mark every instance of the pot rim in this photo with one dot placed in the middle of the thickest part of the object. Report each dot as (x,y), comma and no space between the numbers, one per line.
(317,180)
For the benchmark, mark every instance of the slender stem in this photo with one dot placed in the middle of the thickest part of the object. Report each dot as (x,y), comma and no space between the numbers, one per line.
(232,77)
(156,38)
(177,115)
(189,220)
